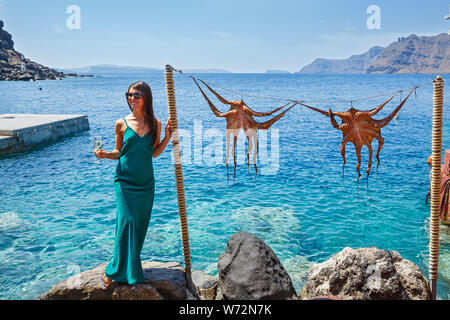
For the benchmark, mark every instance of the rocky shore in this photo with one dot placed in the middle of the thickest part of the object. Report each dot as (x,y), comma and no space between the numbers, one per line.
(15,67)
(250,270)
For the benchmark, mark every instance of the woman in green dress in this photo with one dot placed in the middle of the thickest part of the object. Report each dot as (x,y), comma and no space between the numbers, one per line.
(137,142)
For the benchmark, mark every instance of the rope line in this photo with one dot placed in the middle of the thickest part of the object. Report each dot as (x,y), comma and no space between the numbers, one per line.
(308,101)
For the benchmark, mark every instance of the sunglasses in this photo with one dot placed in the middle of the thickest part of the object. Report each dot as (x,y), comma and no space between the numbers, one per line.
(136,95)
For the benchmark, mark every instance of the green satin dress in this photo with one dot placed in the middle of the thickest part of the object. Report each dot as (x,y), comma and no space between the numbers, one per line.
(134,185)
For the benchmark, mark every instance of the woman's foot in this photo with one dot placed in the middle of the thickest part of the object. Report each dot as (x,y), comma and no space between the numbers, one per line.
(105,282)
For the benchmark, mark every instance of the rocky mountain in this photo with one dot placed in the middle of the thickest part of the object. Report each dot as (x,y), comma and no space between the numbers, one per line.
(355,64)
(415,55)
(14,66)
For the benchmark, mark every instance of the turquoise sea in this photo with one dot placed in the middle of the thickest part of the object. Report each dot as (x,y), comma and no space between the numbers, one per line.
(57,206)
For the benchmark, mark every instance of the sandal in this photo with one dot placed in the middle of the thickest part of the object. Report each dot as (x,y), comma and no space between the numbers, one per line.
(102,283)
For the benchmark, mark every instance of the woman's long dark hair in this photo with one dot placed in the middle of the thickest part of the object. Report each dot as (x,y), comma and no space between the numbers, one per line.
(149,115)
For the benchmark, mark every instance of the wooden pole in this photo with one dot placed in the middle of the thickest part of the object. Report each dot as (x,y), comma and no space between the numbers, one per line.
(170,89)
(438,101)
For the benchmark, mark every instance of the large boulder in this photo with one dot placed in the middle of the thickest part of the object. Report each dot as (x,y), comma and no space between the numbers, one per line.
(250,270)
(366,274)
(162,281)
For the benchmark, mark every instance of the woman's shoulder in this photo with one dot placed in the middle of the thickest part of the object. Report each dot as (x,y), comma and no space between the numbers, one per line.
(120,124)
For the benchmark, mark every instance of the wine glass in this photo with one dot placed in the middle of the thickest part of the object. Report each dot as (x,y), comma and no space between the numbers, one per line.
(97,145)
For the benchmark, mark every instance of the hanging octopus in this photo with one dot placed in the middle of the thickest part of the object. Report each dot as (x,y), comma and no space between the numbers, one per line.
(360,128)
(240,116)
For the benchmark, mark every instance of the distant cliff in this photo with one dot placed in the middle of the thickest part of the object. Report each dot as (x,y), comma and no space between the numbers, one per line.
(14,66)
(408,55)
(415,55)
(355,64)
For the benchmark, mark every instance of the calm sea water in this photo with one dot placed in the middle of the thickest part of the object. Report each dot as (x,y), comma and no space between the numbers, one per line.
(57,207)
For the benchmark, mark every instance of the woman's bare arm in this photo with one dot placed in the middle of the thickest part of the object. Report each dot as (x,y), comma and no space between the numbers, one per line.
(159,146)
(115,154)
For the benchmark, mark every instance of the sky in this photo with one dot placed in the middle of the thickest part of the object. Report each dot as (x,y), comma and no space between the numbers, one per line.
(236,35)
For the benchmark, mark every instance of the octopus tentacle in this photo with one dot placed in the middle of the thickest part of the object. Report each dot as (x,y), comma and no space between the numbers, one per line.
(255,137)
(375,110)
(216,112)
(343,143)
(358,155)
(369,146)
(315,109)
(342,115)
(333,120)
(266,125)
(215,93)
(380,145)
(263,114)
(384,122)
(252,137)
(228,149)
(249,148)
(235,136)
(368,142)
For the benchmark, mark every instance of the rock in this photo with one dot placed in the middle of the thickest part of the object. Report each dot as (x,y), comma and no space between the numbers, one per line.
(219,295)
(6,42)
(25,77)
(14,66)
(354,65)
(205,285)
(415,55)
(136,292)
(250,270)
(163,281)
(168,278)
(414,283)
(366,274)
(190,296)
(407,55)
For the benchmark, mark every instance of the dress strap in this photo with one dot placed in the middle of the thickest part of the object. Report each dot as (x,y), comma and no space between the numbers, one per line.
(125,121)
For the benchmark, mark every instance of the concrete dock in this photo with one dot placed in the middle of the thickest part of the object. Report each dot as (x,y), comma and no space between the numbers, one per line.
(22,131)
